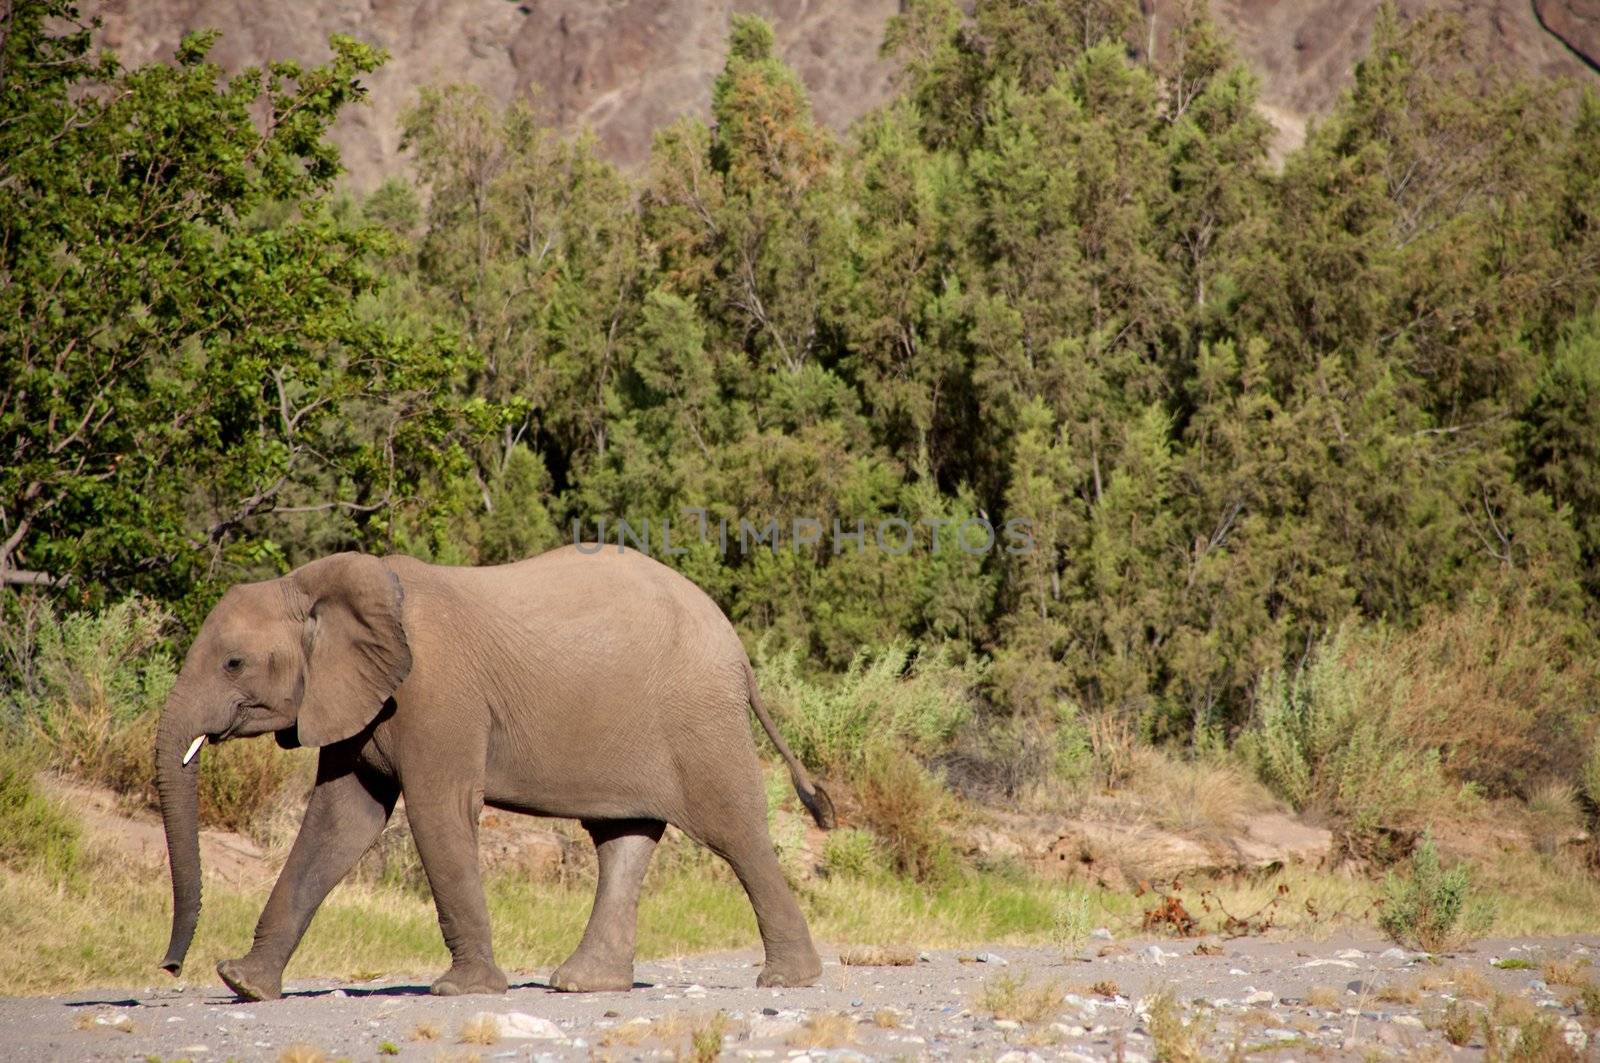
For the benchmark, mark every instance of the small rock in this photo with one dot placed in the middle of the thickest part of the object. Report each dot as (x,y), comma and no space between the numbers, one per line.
(1017,1056)
(1574,1034)
(1410,1021)
(116,1020)
(769,1011)
(1351,954)
(341,994)
(1327,963)
(521,1024)
(1100,933)
(694,989)
(1257,996)
(1278,1033)
(1357,987)
(994,958)
(195,1050)
(857,1002)
(1153,954)
(1538,986)
(1393,955)
(1237,973)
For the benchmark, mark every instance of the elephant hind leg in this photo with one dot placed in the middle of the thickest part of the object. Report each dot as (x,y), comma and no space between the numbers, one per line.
(604,958)
(738,834)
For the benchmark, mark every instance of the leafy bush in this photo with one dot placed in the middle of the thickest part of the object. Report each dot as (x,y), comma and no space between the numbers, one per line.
(36,833)
(1432,908)
(852,853)
(1326,739)
(884,696)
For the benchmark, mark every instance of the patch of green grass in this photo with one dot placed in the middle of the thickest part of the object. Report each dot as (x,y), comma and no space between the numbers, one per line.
(1514,963)
(36,833)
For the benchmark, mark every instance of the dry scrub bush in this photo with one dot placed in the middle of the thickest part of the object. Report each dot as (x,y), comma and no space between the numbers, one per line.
(904,805)
(1382,730)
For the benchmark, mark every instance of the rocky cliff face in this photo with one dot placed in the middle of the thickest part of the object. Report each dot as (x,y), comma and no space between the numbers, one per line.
(627,67)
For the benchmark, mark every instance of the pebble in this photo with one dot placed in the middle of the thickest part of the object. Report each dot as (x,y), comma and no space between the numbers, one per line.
(1100,933)
(1327,963)
(1393,955)
(1153,954)
(1351,954)
(1257,996)
(116,1020)
(1017,1056)
(1007,1024)
(195,1050)
(994,958)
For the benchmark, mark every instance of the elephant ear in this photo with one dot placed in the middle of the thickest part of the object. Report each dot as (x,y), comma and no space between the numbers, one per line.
(355,644)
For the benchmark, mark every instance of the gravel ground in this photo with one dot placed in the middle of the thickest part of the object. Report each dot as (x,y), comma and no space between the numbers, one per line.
(1280,999)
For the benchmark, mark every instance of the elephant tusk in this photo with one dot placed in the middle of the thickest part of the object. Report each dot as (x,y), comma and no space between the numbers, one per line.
(194,747)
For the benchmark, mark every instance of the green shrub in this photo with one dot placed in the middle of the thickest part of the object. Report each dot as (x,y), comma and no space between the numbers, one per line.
(883,696)
(36,832)
(852,853)
(1432,908)
(1325,738)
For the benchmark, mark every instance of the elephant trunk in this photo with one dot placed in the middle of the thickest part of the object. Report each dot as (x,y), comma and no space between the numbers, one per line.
(178,784)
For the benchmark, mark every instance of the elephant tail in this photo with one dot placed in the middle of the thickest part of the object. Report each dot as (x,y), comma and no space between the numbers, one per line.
(812,795)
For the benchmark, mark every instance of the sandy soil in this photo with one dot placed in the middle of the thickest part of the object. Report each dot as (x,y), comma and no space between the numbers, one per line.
(1256,992)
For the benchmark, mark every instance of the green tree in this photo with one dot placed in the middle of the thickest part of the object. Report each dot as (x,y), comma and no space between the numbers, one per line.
(181,342)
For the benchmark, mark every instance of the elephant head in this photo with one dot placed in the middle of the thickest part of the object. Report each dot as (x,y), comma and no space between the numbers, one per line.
(311,657)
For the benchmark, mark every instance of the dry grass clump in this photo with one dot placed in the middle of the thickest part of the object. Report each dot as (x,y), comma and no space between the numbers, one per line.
(1203,798)
(1322,996)
(1577,971)
(1106,988)
(825,1029)
(879,956)
(481,1029)
(705,1038)
(1471,983)
(1013,997)
(1399,993)
(887,1019)
(1533,1038)
(1458,1023)
(303,1053)
(1176,1038)
(426,1031)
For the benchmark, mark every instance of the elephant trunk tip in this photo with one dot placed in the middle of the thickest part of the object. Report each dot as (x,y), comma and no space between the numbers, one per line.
(172,967)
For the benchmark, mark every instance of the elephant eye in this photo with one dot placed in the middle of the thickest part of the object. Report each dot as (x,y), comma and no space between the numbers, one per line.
(232,665)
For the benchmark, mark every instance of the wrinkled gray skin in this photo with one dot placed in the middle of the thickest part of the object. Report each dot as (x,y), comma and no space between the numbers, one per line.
(599,686)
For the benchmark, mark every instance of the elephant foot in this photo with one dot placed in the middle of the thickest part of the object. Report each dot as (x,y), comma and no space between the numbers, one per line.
(792,971)
(464,978)
(250,982)
(586,974)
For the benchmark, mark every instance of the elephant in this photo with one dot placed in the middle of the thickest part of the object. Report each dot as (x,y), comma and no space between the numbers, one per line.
(592,683)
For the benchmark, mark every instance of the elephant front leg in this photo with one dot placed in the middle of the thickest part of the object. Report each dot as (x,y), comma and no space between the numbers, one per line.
(604,958)
(344,817)
(444,823)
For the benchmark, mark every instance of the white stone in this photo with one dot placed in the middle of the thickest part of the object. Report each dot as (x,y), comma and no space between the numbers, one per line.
(116,1020)
(1410,1021)
(195,1050)
(1257,996)
(1351,954)
(521,1024)
(1153,954)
